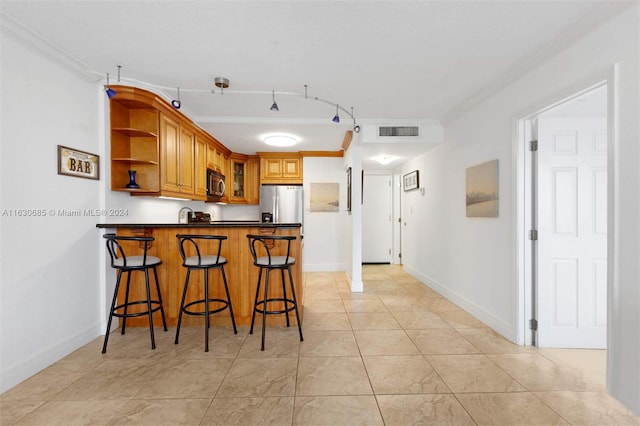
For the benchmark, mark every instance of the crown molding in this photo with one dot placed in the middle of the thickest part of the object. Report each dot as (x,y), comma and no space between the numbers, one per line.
(567,38)
(31,39)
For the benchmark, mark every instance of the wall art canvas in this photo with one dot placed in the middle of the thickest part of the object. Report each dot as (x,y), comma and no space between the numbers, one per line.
(482,190)
(325,197)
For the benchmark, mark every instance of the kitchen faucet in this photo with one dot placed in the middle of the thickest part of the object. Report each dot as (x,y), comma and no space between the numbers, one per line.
(184,214)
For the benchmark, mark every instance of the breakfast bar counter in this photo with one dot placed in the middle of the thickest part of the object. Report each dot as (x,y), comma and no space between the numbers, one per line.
(242,275)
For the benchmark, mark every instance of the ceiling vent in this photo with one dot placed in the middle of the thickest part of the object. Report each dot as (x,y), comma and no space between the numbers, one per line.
(398,131)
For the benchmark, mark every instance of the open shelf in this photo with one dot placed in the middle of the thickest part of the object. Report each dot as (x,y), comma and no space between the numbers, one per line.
(135,161)
(132,132)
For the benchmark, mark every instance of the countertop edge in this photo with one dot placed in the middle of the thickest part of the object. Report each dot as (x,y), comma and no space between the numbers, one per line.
(198,225)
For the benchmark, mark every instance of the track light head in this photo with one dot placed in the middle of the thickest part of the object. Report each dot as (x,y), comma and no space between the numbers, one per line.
(176,103)
(336,118)
(274,105)
(108,90)
(356,128)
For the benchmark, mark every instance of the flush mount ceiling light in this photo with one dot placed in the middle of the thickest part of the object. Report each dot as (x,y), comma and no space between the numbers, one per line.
(274,106)
(280,140)
(384,159)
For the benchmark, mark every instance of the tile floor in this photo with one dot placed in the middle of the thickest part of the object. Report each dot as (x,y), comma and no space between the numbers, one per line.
(397,354)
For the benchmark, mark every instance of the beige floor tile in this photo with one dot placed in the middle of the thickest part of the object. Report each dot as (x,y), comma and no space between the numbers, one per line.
(385,342)
(403,374)
(199,378)
(490,342)
(249,411)
(589,408)
(260,378)
(280,342)
(336,410)
(329,292)
(419,320)
(63,413)
(223,343)
(162,412)
(536,373)
(461,319)
(441,341)
(335,321)
(329,343)
(422,410)
(509,409)
(13,410)
(591,362)
(364,305)
(321,306)
(440,304)
(373,321)
(332,376)
(472,373)
(406,304)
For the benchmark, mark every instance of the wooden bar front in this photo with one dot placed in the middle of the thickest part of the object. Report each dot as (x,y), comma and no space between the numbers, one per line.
(242,275)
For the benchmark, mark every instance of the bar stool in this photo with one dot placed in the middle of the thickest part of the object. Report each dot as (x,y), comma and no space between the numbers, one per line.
(268,262)
(127,264)
(203,263)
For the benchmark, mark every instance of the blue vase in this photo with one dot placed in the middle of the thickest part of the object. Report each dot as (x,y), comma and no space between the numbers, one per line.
(132,180)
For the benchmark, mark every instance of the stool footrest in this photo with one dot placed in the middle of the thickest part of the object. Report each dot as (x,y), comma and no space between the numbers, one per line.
(290,305)
(202,302)
(136,314)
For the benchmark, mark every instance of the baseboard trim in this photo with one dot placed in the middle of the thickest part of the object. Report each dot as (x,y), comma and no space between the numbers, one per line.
(21,371)
(506,330)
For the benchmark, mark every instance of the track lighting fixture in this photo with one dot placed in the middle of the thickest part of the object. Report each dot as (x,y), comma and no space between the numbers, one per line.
(176,103)
(108,90)
(336,118)
(222,83)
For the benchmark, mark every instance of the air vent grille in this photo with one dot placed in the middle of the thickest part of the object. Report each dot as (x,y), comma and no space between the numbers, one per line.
(385,131)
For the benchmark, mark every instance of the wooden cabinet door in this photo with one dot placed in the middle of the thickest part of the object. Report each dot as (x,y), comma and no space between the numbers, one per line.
(291,168)
(272,168)
(200,172)
(169,154)
(252,180)
(186,160)
(237,179)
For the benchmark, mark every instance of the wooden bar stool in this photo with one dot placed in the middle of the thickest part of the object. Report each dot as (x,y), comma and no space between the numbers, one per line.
(268,262)
(203,263)
(127,264)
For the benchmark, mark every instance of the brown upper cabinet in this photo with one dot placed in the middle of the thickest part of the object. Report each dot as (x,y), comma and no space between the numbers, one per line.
(280,167)
(168,152)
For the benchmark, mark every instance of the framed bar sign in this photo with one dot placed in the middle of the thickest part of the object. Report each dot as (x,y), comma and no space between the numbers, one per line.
(73,162)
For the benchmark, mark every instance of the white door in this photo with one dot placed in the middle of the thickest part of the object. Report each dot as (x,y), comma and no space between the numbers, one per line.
(376,219)
(572,226)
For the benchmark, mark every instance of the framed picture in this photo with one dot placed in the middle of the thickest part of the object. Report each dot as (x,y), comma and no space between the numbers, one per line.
(325,197)
(411,181)
(73,162)
(482,190)
(349,189)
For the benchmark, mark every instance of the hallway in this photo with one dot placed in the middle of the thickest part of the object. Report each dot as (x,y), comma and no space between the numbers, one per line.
(396,354)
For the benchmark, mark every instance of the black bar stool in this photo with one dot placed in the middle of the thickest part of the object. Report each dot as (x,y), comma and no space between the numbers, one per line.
(268,262)
(127,264)
(204,263)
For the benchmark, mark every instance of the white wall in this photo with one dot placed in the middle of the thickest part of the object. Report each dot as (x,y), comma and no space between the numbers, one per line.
(324,232)
(473,260)
(48,264)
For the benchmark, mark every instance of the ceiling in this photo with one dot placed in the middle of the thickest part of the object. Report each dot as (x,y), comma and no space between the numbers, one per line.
(392,61)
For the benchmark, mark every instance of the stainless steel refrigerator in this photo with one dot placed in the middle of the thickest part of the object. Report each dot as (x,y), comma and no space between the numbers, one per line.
(282,203)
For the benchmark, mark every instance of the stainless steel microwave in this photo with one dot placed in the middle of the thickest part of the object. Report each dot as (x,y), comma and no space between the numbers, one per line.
(215,184)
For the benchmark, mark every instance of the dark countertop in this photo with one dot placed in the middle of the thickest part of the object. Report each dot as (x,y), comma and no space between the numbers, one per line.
(213,224)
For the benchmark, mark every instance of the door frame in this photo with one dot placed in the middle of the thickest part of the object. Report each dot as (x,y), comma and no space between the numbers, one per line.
(524,267)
